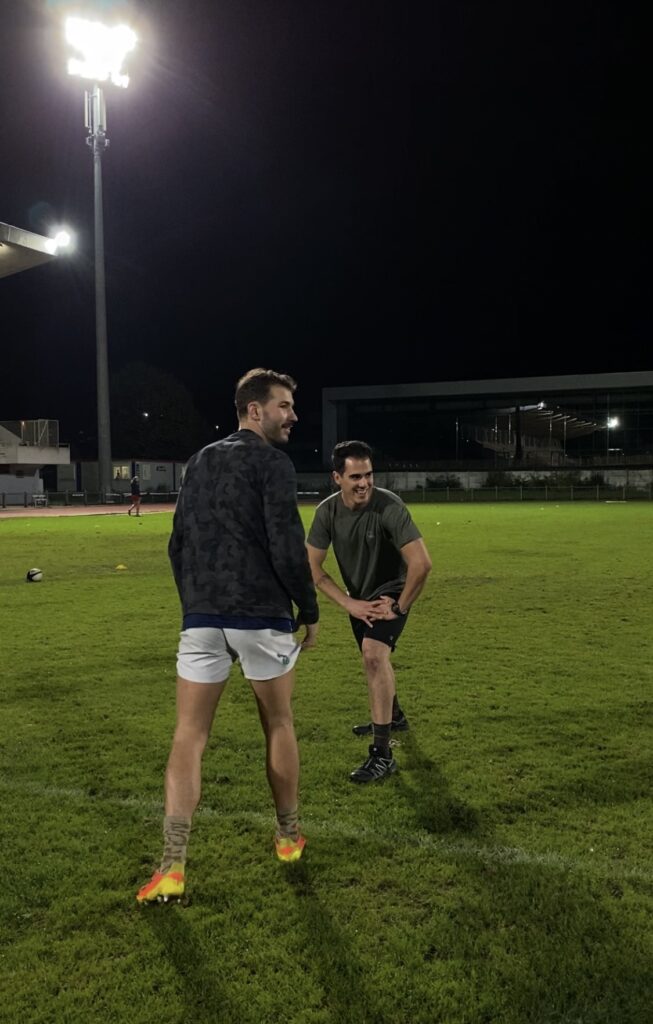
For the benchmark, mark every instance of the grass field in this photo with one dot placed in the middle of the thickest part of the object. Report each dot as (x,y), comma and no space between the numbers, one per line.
(503,877)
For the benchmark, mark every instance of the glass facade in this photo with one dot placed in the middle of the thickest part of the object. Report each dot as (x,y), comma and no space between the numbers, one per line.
(563,429)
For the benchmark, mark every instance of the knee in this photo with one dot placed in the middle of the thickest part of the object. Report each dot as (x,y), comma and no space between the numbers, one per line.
(190,737)
(373,662)
(281,720)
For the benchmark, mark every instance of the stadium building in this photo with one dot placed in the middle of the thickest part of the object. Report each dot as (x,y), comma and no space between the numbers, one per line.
(534,424)
(26,447)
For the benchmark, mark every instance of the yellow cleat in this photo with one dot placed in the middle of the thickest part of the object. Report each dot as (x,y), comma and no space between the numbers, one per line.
(289,850)
(163,886)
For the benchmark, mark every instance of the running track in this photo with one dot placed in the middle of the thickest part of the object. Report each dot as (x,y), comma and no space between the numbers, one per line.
(18,512)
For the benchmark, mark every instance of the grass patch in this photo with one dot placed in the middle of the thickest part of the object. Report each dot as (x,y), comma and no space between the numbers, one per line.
(503,877)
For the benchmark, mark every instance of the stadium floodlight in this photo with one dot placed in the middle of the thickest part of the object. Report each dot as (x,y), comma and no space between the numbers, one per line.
(610,424)
(103,50)
(62,240)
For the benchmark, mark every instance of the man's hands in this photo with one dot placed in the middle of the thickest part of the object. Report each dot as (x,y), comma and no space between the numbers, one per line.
(370,611)
(310,637)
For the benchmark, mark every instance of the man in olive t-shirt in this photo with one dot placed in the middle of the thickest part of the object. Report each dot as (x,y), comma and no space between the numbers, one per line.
(384,565)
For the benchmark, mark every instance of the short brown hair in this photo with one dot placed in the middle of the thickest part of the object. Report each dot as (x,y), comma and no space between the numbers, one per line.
(255,387)
(349,450)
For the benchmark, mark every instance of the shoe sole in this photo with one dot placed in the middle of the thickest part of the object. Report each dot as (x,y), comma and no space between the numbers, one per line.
(160,897)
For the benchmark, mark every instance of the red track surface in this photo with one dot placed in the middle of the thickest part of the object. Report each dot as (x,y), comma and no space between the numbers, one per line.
(16,512)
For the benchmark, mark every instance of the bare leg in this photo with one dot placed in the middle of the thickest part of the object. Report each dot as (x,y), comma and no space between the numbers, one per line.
(273,697)
(380,679)
(196,706)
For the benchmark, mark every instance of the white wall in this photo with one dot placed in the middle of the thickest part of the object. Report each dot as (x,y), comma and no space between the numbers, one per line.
(14,488)
(154,476)
(410,481)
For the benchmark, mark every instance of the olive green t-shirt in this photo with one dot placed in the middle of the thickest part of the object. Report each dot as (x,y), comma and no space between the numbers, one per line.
(366,541)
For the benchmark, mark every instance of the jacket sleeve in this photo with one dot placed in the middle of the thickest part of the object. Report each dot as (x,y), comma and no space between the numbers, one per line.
(285,534)
(176,542)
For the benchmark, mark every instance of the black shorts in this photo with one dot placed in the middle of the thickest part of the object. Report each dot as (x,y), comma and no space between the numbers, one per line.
(386,631)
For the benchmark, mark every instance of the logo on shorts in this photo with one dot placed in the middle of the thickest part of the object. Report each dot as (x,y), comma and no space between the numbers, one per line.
(284,659)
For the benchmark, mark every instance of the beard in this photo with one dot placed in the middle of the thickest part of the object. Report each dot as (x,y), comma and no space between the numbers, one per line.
(275,432)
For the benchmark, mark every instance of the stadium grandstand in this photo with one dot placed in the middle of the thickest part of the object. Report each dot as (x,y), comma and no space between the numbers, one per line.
(556,423)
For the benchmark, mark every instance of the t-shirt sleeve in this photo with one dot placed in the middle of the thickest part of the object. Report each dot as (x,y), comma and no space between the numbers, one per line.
(319,535)
(399,525)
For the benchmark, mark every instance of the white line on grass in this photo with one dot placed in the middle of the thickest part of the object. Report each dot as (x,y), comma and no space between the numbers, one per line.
(466,848)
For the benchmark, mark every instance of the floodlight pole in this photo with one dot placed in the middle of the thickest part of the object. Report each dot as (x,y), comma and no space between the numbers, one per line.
(96,123)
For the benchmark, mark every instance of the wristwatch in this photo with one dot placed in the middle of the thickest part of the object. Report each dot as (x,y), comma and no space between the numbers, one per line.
(394,607)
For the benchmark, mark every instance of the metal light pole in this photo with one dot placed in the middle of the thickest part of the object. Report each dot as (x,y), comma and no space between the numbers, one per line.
(611,423)
(96,123)
(103,50)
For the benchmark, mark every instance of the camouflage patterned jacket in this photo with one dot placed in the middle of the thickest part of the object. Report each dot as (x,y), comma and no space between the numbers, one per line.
(237,544)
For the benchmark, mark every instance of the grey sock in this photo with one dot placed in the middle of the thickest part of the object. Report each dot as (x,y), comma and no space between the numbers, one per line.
(288,823)
(176,832)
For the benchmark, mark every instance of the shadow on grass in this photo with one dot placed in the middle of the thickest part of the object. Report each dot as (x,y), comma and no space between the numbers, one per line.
(204,994)
(553,947)
(347,989)
(546,944)
(424,786)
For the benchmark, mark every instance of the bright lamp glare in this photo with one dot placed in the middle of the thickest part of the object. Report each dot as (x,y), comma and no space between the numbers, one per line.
(613,421)
(102,50)
(62,240)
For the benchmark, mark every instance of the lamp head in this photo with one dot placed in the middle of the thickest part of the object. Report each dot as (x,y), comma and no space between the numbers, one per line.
(101,50)
(61,241)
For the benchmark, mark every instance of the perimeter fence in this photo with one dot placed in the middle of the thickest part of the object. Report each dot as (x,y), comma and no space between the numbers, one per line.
(63,499)
(545,493)
(575,492)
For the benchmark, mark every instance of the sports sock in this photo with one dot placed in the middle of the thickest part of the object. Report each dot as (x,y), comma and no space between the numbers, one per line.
(288,823)
(381,738)
(397,713)
(176,832)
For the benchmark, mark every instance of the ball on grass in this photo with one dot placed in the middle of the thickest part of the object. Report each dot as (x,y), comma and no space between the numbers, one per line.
(34,576)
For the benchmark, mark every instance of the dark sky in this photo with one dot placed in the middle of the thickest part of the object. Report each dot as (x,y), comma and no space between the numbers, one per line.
(352,192)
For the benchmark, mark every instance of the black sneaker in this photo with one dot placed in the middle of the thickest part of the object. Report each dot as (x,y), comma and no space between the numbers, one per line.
(397,725)
(375,768)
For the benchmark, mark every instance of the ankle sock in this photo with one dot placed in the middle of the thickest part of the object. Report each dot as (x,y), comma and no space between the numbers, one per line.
(397,713)
(176,832)
(288,823)
(381,738)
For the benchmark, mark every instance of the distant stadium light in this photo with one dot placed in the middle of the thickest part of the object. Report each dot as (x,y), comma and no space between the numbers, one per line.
(102,50)
(146,415)
(613,421)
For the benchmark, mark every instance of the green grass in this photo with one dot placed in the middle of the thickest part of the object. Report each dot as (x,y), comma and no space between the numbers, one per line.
(503,877)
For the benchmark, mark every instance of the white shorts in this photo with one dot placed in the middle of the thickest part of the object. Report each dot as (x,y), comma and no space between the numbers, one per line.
(206,655)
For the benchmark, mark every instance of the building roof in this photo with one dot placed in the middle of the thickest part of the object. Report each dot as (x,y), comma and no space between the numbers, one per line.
(21,250)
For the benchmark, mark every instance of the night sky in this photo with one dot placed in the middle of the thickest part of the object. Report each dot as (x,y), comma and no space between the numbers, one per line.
(353,193)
